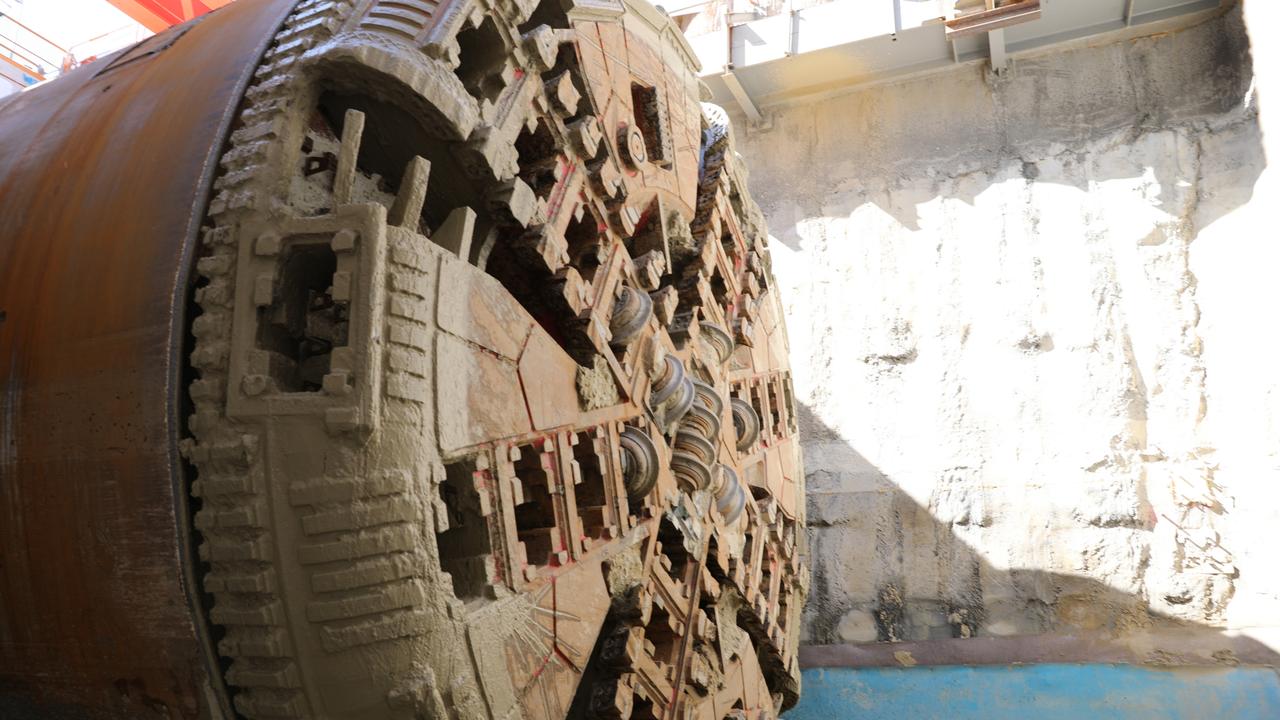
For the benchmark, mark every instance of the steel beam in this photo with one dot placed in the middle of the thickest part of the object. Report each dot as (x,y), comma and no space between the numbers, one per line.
(740,94)
(995,45)
(158,15)
(994,19)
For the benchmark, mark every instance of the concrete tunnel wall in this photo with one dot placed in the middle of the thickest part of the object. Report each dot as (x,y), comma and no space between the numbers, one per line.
(1030,319)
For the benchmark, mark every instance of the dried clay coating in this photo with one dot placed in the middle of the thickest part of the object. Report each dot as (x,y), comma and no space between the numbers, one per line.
(481,295)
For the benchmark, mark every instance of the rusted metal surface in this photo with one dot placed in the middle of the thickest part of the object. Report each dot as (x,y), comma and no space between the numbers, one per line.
(104,175)
(489,398)
(993,18)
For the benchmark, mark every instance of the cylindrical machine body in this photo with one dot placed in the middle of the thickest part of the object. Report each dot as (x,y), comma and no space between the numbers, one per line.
(104,176)
(372,360)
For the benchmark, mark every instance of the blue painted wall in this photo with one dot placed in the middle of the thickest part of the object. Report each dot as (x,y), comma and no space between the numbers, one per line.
(1039,692)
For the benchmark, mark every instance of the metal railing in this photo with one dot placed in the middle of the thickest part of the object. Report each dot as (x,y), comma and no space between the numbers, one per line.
(33,54)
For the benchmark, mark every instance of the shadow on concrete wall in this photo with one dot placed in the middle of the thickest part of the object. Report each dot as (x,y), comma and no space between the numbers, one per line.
(971,611)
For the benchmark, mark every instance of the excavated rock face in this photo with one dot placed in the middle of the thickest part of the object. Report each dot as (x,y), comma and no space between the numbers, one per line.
(493,415)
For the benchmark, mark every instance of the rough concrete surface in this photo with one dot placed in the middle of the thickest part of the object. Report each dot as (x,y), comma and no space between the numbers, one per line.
(1030,325)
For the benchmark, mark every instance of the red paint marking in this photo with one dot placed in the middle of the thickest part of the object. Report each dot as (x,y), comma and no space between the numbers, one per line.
(555,628)
(555,651)
(520,378)
(554,621)
(562,188)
